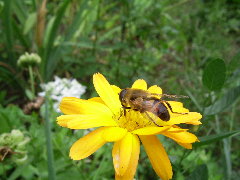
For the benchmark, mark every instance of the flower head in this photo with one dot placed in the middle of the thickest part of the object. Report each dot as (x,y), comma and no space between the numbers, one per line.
(13,146)
(62,87)
(27,59)
(126,129)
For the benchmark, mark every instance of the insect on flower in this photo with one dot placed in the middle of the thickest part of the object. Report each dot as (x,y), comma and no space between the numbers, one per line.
(146,102)
(146,114)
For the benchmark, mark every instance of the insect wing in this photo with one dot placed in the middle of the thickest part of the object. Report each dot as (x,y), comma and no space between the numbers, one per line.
(169,96)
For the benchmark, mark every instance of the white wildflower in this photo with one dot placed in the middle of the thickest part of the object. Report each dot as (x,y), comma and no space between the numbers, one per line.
(60,88)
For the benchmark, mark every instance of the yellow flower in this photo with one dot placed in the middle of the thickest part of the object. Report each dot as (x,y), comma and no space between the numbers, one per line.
(125,130)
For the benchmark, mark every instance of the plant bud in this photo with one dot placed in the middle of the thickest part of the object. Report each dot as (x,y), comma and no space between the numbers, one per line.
(27,59)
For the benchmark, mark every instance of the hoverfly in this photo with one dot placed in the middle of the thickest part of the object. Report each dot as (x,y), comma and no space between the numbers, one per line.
(144,102)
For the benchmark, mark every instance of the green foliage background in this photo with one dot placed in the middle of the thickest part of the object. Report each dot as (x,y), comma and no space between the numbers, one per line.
(186,47)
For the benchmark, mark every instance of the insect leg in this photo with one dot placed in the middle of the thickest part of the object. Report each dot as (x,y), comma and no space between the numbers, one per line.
(151,119)
(170,107)
(124,107)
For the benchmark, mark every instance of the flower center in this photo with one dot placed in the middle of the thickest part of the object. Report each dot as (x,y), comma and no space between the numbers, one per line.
(132,120)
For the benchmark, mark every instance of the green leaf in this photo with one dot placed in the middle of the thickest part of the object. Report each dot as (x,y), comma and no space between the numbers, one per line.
(5,127)
(20,10)
(57,21)
(199,173)
(29,23)
(78,20)
(50,39)
(29,94)
(226,101)
(213,138)
(214,74)
(17,172)
(12,117)
(7,25)
(234,63)
(19,34)
(1,6)
(6,76)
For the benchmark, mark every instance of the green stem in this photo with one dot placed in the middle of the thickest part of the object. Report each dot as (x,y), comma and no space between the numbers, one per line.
(226,150)
(4,171)
(228,143)
(51,171)
(175,5)
(185,154)
(34,4)
(39,76)
(123,34)
(31,79)
(94,51)
(193,99)
(217,123)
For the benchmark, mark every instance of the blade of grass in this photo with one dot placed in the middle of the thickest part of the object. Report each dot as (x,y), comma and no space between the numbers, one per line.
(56,24)
(223,103)
(78,19)
(7,22)
(17,172)
(193,99)
(21,11)
(77,26)
(51,38)
(227,153)
(12,78)
(89,45)
(22,38)
(228,142)
(213,138)
(34,4)
(50,159)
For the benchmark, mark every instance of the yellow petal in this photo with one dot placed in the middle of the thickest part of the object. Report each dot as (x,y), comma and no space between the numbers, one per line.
(151,130)
(121,153)
(194,122)
(87,145)
(177,107)
(175,104)
(190,118)
(90,121)
(185,145)
(77,121)
(158,156)
(116,89)
(155,89)
(182,137)
(140,84)
(71,105)
(176,129)
(106,92)
(114,134)
(96,99)
(63,120)
(132,165)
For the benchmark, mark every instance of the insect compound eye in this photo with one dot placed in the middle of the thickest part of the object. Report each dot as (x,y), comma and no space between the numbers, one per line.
(122,95)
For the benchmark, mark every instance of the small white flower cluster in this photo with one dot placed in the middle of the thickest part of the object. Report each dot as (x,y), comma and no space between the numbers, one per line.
(60,88)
